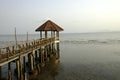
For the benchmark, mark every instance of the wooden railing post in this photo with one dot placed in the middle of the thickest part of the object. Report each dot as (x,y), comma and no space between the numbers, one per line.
(9,71)
(0,54)
(7,52)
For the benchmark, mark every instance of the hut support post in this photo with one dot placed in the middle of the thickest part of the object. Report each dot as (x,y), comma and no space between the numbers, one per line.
(51,34)
(40,34)
(45,34)
(54,34)
(57,35)
(9,71)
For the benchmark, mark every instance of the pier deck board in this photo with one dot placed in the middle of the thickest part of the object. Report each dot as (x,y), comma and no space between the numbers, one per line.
(8,54)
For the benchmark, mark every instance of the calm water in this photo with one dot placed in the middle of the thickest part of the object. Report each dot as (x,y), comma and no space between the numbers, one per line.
(84,56)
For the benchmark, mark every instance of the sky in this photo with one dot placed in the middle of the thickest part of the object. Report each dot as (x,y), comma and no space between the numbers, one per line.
(74,16)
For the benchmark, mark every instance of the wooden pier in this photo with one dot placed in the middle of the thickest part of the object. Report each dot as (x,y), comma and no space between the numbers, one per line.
(34,54)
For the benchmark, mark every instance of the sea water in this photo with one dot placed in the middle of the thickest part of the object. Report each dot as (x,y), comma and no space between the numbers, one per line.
(83,56)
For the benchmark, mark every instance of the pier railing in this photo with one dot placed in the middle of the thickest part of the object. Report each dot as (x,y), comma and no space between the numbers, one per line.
(13,52)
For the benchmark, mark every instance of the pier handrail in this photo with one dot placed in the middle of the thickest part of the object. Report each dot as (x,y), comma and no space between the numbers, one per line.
(11,52)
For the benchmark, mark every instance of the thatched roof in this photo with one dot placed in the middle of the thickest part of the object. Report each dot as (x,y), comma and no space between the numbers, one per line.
(49,26)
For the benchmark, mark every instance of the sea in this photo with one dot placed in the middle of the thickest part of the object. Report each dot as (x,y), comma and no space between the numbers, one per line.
(83,56)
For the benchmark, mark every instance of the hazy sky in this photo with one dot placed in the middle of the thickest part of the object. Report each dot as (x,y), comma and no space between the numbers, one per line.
(72,15)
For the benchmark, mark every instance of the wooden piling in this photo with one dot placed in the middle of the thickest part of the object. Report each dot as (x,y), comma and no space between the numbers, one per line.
(30,61)
(24,68)
(36,56)
(0,55)
(18,69)
(42,58)
(9,71)
(39,52)
(47,52)
(58,51)
(0,72)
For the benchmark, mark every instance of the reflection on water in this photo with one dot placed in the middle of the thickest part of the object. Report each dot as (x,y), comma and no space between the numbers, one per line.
(84,62)
(93,71)
(49,72)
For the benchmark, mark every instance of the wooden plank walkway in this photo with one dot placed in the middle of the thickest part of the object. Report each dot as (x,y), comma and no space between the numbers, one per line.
(11,53)
(37,52)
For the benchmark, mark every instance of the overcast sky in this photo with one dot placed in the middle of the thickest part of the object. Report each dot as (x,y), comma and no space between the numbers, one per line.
(71,15)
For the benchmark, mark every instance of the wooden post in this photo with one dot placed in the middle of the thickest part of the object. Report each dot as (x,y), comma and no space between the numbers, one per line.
(40,55)
(18,69)
(24,69)
(50,49)
(13,49)
(53,47)
(31,62)
(58,51)
(0,55)
(54,34)
(15,38)
(36,56)
(30,58)
(40,34)
(0,72)
(27,37)
(57,35)
(9,71)
(51,34)
(45,52)
(43,55)
(45,34)
(33,58)
(42,58)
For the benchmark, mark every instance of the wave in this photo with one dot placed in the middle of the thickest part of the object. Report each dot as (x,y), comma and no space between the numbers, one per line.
(91,41)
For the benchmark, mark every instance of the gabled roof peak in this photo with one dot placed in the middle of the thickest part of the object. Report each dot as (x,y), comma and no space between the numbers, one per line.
(49,26)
